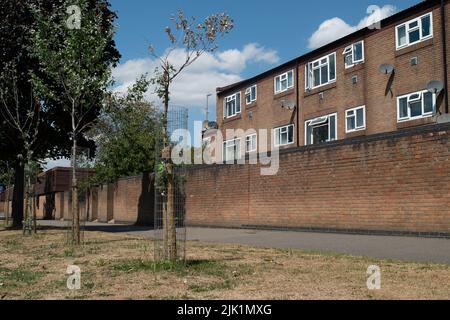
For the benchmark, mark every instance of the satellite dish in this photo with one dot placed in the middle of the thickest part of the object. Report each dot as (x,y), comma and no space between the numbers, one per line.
(435,86)
(386,68)
(205,125)
(290,105)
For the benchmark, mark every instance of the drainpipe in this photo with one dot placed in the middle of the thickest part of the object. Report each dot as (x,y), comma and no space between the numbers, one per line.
(444,53)
(298,101)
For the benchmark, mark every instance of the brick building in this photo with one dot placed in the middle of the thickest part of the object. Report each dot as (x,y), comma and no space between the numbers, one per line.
(341,90)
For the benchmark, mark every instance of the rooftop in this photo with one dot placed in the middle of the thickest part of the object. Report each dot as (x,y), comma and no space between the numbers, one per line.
(423,5)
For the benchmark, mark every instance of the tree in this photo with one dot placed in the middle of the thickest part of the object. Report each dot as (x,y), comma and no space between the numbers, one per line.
(195,38)
(75,55)
(17,33)
(23,117)
(126,134)
(6,178)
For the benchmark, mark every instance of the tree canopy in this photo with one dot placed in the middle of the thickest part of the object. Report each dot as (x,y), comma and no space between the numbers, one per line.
(126,134)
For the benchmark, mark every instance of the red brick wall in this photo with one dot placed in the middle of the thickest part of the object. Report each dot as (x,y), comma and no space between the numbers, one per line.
(390,182)
(105,203)
(133,200)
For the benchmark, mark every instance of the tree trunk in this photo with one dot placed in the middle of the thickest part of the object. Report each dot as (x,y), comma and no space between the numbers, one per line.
(171,224)
(76,239)
(18,195)
(170,230)
(8,193)
(34,207)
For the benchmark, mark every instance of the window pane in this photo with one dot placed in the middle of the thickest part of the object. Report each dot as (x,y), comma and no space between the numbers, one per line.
(428,102)
(360,118)
(416,109)
(290,79)
(413,24)
(291,134)
(358,52)
(277,84)
(238,103)
(426,26)
(277,137)
(401,36)
(332,128)
(332,67)
(308,134)
(317,77)
(324,74)
(284,138)
(320,134)
(253,93)
(351,123)
(237,149)
(283,85)
(307,76)
(348,59)
(403,108)
(414,36)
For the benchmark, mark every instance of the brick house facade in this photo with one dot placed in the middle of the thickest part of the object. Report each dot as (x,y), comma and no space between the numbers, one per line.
(338,91)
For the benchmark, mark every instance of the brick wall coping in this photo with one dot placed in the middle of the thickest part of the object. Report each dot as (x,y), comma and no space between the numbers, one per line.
(428,129)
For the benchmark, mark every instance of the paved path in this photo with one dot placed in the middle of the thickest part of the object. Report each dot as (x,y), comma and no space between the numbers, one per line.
(385,247)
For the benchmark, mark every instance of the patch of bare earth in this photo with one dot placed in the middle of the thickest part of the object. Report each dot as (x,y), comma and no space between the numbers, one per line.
(119,266)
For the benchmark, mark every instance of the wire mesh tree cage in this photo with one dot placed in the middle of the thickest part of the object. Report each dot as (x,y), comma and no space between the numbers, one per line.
(177,118)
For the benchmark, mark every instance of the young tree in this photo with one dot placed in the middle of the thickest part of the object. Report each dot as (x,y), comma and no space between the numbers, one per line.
(125,134)
(21,112)
(195,39)
(73,43)
(17,34)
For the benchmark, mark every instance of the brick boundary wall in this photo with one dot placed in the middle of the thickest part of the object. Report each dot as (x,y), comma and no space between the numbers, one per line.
(392,183)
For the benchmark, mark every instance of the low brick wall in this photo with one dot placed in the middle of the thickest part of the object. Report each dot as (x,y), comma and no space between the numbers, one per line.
(398,182)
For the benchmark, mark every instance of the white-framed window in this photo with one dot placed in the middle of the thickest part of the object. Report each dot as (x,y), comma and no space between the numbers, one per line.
(232,105)
(355,119)
(251,143)
(251,94)
(321,129)
(284,135)
(320,72)
(284,82)
(354,54)
(416,105)
(231,150)
(414,31)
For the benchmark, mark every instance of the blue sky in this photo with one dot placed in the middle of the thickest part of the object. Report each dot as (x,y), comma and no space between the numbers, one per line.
(264,36)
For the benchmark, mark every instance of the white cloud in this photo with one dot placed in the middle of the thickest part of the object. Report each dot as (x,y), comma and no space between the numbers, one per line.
(336,28)
(202,77)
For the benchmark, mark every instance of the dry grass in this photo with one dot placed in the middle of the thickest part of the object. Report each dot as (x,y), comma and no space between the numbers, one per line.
(118,266)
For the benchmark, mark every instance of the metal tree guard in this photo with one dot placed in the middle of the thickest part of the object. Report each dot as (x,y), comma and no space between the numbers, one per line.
(177,119)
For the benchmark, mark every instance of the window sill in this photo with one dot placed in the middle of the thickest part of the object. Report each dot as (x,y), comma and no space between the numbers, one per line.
(283,94)
(234,118)
(414,47)
(355,68)
(320,89)
(354,134)
(416,122)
